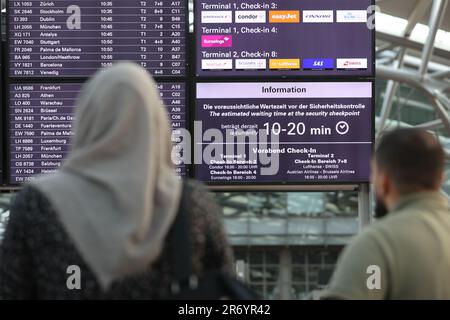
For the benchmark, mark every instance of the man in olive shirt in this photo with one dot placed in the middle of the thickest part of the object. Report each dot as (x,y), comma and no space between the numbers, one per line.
(406,254)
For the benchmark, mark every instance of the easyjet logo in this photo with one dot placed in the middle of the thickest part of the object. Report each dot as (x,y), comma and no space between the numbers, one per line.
(284,16)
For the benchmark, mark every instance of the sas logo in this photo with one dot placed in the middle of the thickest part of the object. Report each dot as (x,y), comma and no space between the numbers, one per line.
(224,41)
(318,64)
(284,16)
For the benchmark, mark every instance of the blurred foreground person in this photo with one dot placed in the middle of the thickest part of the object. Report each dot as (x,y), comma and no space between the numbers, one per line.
(98,228)
(405,255)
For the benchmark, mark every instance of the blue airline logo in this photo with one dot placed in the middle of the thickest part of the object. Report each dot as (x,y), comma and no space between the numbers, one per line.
(318,64)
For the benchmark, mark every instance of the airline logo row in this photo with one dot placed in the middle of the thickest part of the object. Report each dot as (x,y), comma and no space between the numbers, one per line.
(292,16)
(284,64)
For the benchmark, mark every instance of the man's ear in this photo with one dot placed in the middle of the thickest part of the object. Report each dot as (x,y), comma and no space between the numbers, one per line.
(442,179)
(385,183)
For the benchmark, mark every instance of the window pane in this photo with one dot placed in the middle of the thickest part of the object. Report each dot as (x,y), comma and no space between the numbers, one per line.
(298,274)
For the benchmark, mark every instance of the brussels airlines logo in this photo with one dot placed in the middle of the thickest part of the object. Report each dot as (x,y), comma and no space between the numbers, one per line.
(224,41)
(318,64)
(251,64)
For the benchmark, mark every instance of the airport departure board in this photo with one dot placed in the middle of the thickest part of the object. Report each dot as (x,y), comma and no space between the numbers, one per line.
(284,38)
(65,38)
(275,132)
(40,119)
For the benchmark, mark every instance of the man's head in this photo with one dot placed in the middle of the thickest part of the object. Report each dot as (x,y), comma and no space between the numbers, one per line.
(406,161)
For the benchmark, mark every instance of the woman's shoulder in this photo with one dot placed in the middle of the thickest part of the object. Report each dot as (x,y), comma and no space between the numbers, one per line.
(28,197)
(195,192)
(31,205)
(198,199)
(190,186)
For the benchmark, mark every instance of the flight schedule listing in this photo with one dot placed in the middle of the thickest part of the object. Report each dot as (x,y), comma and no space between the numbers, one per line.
(41,117)
(65,38)
(284,38)
(295,132)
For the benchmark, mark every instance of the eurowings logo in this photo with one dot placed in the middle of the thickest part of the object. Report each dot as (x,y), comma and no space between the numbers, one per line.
(222,41)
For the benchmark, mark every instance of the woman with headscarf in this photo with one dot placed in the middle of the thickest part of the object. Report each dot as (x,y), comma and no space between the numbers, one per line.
(105,215)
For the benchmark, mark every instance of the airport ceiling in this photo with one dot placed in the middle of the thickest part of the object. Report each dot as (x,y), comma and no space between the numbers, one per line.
(403,9)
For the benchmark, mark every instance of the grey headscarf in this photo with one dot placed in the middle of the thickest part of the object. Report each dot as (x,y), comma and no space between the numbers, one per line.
(117,193)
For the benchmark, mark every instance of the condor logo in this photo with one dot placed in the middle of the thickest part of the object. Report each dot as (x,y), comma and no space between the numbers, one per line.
(250,16)
(284,16)
(318,16)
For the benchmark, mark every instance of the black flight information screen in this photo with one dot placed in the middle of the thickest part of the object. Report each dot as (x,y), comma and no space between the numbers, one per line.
(66,38)
(40,120)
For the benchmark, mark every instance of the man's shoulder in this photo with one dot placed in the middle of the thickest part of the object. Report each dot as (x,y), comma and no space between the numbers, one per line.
(380,235)
(396,228)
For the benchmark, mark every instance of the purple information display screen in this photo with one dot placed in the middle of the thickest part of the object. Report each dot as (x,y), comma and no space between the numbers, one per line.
(284,38)
(41,118)
(65,38)
(295,132)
